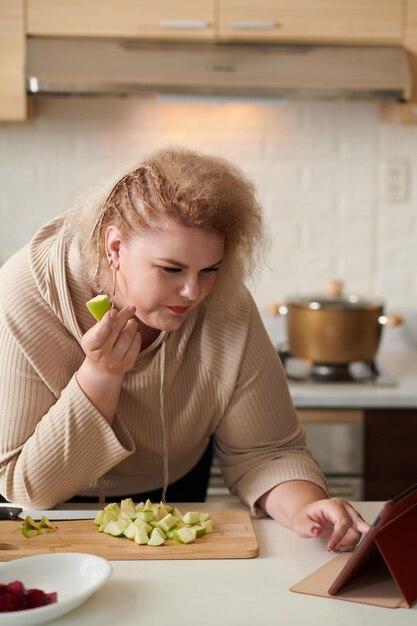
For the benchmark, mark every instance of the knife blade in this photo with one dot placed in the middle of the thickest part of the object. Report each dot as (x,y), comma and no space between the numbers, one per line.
(59,514)
(14,513)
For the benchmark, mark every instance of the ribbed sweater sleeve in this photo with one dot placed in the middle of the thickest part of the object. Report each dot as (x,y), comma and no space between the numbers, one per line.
(50,445)
(259,441)
(53,441)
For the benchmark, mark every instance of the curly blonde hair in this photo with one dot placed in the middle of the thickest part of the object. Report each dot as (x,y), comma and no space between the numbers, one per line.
(194,189)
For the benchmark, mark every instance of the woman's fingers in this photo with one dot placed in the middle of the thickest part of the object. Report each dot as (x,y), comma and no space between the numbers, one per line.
(125,341)
(114,342)
(133,351)
(348,542)
(334,517)
(119,322)
(341,526)
(347,529)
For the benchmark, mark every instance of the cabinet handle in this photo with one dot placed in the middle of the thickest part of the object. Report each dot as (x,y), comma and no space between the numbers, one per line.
(184,24)
(249,25)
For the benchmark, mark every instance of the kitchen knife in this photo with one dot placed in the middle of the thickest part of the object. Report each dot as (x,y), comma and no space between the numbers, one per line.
(11,512)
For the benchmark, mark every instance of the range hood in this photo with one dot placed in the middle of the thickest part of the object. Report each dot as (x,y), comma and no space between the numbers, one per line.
(111,66)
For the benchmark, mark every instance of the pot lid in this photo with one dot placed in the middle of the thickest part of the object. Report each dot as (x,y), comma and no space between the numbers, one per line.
(350,302)
(335,300)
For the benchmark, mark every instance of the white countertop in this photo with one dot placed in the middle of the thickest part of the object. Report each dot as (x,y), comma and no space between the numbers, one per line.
(399,370)
(229,592)
(351,395)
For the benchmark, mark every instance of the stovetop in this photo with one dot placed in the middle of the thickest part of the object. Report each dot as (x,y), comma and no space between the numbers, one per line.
(360,372)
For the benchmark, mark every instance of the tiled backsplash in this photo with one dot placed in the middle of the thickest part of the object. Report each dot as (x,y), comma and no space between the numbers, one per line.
(317,167)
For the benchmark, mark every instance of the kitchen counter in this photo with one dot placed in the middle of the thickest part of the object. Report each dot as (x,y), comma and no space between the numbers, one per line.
(396,389)
(228,592)
(351,395)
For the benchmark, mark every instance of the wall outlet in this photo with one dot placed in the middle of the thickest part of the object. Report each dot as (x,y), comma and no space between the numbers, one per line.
(395,184)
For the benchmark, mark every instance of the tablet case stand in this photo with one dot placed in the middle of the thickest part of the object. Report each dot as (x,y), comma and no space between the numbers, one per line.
(383,569)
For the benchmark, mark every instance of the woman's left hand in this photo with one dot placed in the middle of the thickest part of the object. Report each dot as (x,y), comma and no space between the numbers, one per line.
(302,506)
(334,517)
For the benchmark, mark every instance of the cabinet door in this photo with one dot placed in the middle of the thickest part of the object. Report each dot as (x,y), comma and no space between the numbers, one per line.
(326,21)
(12,61)
(390,452)
(410,43)
(159,19)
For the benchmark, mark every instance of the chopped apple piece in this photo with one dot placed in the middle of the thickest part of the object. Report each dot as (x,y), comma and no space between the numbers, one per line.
(99,306)
(191,517)
(167,522)
(184,535)
(116,529)
(141,536)
(208,525)
(156,538)
(198,531)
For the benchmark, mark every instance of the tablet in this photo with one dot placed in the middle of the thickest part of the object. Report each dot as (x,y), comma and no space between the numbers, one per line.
(392,533)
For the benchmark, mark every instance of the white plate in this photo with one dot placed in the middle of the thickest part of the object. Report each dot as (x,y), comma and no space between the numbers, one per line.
(74,576)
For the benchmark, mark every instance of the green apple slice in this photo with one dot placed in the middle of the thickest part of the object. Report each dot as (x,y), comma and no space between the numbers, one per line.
(128,506)
(208,525)
(131,531)
(99,520)
(116,529)
(167,522)
(148,505)
(191,517)
(156,539)
(99,306)
(141,536)
(184,535)
(198,531)
(147,516)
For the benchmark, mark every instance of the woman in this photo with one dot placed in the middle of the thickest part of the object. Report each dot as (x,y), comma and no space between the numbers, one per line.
(130,404)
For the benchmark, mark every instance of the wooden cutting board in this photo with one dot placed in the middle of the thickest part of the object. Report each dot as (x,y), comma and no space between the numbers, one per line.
(233,538)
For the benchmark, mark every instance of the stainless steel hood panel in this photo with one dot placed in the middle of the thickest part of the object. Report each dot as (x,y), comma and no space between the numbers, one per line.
(104,66)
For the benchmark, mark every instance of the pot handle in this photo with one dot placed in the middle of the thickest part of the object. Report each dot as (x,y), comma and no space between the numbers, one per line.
(391,320)
(334,288)
(277,309)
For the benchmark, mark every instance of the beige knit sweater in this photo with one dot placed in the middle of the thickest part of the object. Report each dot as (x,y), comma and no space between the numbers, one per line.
(220,375)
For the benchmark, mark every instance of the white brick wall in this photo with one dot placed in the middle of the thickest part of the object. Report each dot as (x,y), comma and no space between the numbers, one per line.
(316,166)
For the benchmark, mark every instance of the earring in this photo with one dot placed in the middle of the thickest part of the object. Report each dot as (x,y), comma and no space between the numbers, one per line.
(113,289)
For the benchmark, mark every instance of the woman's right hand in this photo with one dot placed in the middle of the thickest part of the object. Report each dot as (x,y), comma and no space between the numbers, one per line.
(113,344)
(111,348)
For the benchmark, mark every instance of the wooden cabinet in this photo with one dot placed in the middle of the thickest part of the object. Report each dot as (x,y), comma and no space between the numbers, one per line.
(159,19)
(330,21)
(304,21)
(12,61)
(390,452)
(370,22)
(406,113)
(410,41)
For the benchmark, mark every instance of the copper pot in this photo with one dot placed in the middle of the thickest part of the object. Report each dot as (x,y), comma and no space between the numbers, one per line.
(333,328)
